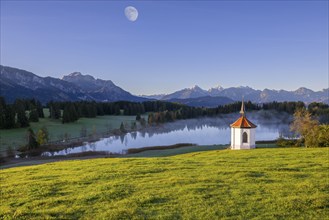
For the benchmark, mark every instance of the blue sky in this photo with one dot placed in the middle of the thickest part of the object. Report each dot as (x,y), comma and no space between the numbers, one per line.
(173,44)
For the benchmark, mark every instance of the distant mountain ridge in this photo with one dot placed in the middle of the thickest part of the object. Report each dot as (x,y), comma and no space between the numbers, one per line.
(188,93)
(100,90)
(258,96)
(17,83)
(204,101)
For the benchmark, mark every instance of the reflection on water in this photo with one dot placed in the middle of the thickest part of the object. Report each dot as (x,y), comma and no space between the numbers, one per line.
(202,131)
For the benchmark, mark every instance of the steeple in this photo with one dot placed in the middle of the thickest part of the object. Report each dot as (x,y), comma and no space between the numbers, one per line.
(243,122)
(243,132)
(242,108)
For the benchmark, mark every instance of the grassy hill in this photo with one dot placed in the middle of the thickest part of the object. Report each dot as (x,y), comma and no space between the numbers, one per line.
(221,184)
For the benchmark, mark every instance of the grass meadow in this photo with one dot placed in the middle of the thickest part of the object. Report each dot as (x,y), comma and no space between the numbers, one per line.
(272,183)
(17,137)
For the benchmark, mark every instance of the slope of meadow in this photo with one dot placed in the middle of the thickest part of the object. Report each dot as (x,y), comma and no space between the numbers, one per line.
(263,183)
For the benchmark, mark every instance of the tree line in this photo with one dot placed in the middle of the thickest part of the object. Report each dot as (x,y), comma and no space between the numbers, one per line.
(20,113)
(23,111)
(319,110)
(72,111)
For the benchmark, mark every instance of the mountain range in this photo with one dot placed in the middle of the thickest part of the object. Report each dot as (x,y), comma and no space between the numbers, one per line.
(250,94)
(17,83)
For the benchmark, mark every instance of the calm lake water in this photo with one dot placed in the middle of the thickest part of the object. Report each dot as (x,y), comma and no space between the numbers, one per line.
(202,131)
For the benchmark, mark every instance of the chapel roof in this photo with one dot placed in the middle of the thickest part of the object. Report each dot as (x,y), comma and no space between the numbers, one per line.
(243,122)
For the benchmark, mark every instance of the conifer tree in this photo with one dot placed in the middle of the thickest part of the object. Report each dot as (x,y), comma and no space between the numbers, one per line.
(138,117)
(74,116)
(122,127)
(32,142)
(34,115)
(117,109)
(92,110)
(66,115)
(69,114)
(22,120)
(54,110)
(40,109)
(2,112)
(9,121)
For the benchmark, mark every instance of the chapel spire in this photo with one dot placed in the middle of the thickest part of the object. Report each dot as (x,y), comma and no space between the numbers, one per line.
(242,111)
(243,132)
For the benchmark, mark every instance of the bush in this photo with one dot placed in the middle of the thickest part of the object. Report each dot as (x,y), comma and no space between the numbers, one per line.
(43,136)
(312,134)
(323,136)
(281,142)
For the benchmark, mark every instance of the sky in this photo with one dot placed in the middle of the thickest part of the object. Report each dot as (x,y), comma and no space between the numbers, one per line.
(173,44)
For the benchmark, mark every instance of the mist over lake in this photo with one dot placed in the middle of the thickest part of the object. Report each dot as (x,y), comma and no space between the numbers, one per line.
(200,131)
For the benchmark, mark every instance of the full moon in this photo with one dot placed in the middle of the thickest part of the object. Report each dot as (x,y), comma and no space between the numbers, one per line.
(131,13)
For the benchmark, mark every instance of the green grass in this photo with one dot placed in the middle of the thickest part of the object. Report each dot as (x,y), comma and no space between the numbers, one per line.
(174,151)
(219,184)
(17,137)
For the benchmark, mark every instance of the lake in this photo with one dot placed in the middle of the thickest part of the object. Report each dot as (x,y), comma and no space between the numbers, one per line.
(201,131)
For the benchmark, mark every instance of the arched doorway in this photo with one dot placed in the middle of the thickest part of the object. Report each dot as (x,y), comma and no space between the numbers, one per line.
(244,137)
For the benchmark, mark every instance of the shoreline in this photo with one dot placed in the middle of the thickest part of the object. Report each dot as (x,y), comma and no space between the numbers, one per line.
(59,145)
(74,142)
(32,157)
(62,144)
(153,151)
(35,160)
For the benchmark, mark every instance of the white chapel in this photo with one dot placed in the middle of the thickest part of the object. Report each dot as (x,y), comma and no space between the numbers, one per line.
(243,132)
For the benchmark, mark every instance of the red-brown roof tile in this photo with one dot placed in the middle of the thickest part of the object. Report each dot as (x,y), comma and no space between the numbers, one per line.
(243,122)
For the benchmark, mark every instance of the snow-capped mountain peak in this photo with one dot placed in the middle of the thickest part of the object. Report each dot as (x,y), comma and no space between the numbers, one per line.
(196,88)
(216,88)
(75,74)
